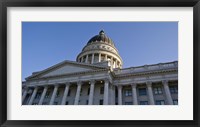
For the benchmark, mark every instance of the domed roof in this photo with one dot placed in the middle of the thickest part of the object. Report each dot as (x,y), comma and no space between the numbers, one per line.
(102,37)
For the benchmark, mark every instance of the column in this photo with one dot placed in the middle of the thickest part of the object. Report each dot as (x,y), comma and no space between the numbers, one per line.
(24,94)
(33,96)
(112,62)
(86,61)
(119,95)
(43,95)
(99,57)
(105,97)
(77,93)
(167,92)
(67,85)
(54,94)
(91,95)
(92,58)
(150,93)
(106,57)
(116,64)
(134,94)
(81,59)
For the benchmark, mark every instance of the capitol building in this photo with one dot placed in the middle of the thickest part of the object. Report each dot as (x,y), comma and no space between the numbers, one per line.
(97,77)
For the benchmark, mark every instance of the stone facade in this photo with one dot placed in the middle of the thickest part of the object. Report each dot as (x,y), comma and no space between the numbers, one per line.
(97,78)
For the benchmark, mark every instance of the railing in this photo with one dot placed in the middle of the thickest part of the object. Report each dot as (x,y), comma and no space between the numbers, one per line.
(145,68)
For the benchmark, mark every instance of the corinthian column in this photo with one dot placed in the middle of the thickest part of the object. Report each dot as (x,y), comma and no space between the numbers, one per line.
(77,93)
(150,93)
(86,61)
(33,96)
(167,92)
(106,92)
(92,58)
(24,94)
(67,85)
(43,95)
(99,57)
(54,94)
(91,95)
(119,95)
(134,94)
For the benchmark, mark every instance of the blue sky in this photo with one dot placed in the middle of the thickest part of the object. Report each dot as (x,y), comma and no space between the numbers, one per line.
(45,44)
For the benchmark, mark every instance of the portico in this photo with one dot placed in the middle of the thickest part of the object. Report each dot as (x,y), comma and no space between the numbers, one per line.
(65,93)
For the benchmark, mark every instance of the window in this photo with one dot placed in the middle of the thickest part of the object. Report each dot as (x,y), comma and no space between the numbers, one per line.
(47,94)
(175,102)
(66,103)
(160,102)
(128,93)
(58,93)
(142,91)
(128,103)
(143,102)
(69,92)
(157,90)
(101,102)
(173,89)
(38,95)
(88,91)
(101,90)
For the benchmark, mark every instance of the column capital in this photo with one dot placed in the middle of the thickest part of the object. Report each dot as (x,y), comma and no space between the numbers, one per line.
(79,83)
(106,80)
(164,82)
(119,86)
(92,81)
(149,84)
(133,85)
(56,85)
(45,86)
(67,83)
(35,86)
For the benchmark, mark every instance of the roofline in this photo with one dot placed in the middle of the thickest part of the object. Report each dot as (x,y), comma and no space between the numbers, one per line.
(148,65)
(56,65)
(72,74)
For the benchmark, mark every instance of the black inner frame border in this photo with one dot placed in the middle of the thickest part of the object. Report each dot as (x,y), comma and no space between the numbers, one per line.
(98,3)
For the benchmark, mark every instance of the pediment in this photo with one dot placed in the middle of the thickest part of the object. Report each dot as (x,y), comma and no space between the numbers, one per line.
(65,67)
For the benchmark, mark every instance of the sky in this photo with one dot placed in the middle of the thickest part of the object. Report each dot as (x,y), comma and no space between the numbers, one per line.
(45,44)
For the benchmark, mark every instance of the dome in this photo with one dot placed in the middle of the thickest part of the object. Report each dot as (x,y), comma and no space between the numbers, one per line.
(100,48)
(101,37)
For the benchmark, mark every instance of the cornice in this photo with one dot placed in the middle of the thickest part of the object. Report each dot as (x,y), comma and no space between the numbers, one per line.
(69,74)
(98,51)
(99,42)
(144,73)
(62,64)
